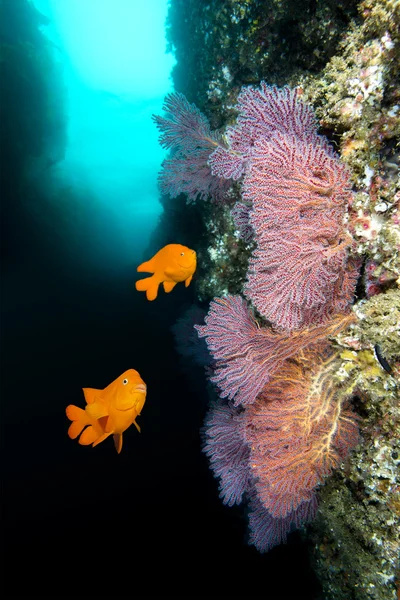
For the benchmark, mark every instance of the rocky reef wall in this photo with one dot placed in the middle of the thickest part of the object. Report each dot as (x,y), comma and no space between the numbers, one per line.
(343,58)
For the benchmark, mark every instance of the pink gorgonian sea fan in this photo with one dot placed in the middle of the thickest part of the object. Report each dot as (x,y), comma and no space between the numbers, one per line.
(297,191)
(299,429)
(186,132)
(246,354)
(266,531)
(262,111)
(227,451)
(241,218)
(300,272)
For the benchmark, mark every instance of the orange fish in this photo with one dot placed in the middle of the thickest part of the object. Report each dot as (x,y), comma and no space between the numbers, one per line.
(108,412)
(171,265)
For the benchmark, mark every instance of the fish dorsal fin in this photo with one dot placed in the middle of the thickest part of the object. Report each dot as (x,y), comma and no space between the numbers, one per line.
(90,394)
(147,267)
(97,410)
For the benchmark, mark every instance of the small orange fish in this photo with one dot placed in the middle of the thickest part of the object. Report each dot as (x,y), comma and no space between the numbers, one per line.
(108,412)
(171,265)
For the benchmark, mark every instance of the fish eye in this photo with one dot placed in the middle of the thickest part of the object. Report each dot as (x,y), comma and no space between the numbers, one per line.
(125,381)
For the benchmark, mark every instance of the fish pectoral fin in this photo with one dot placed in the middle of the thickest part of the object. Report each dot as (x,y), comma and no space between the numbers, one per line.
(137,426)
(125,403)
(118,442)
(96,410)
(170,272)
(169,286)
(188,280)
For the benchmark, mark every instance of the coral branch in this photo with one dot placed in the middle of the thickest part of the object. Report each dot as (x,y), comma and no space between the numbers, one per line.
(241,217)
(187,132)
(299,193)
(227,450)
(247,355)
(267,531)
(299,429)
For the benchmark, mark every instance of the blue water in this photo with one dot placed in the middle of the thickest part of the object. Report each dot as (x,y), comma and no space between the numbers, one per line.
(116,72)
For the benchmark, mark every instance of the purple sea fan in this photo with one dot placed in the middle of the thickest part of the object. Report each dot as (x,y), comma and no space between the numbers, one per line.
(267,531)
(187,132)
(261,112)
(299,193)
(267,109)
(247,355)
(227,451)
(299,429)
(291,175)
(240,349)
(296,281)
(241,218)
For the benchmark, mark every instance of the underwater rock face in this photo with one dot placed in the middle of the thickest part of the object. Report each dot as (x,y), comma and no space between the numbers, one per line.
(351,79)
(221,46)
(356,533)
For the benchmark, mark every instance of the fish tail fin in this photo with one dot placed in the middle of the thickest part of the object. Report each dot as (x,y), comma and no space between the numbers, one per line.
(95,430)
(148,285)
(89,436)
(102,438)
(79,420)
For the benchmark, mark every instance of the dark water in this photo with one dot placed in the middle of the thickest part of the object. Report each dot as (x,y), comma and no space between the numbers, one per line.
(86,521)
